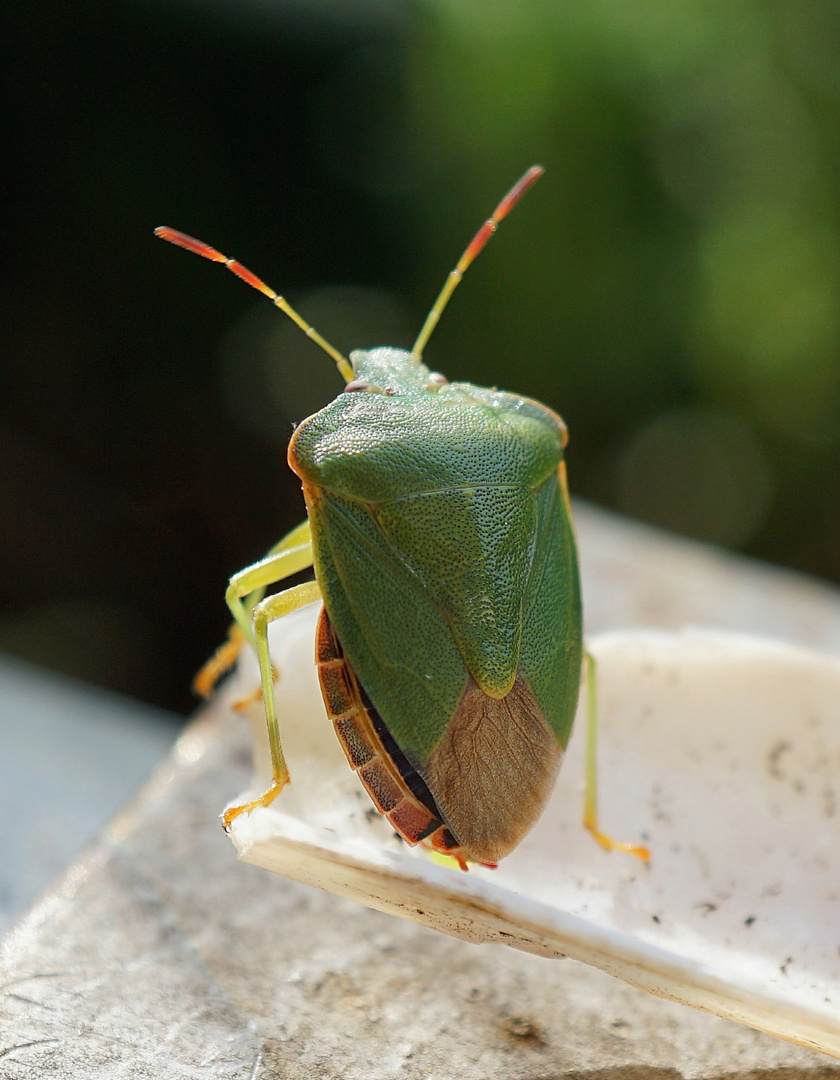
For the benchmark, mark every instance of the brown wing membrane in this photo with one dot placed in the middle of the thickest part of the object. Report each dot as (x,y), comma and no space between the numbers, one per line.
(493,770)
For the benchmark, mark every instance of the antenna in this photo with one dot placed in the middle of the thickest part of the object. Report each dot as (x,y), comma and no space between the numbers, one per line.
(198,247)
(473,248)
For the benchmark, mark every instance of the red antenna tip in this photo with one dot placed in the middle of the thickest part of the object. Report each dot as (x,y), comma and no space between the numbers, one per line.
(197,247)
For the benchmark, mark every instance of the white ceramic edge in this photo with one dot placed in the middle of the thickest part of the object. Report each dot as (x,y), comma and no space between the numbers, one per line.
(481,911)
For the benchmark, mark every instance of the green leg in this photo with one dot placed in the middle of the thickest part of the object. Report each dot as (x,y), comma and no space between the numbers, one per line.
(590,798)
(246,589)
(274,607)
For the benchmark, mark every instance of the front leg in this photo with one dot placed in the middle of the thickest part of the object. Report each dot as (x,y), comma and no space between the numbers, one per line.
(246,589)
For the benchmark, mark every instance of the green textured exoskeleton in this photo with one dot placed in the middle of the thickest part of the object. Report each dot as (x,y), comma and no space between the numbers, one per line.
(449,646)
(444,551)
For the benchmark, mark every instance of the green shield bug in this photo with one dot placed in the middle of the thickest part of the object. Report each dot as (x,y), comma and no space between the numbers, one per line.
(449,647)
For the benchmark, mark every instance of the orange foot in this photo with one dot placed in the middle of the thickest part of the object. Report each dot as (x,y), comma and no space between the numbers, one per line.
(608,844)
(265,799)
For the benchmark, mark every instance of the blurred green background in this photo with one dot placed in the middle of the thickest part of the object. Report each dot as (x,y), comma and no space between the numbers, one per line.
(672,286)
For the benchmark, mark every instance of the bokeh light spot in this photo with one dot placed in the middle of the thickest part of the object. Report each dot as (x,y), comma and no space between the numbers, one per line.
(699,472)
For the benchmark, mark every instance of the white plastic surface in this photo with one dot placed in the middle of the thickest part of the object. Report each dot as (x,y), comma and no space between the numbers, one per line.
(719,751)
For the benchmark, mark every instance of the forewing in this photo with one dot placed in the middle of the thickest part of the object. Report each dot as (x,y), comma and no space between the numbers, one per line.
(489,760)
(494,768)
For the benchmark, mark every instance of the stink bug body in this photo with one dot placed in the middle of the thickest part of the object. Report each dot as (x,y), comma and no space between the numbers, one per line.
(449,647)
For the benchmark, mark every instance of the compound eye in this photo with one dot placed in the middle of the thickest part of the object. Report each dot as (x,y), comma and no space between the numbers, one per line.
(357,386)
(436,381)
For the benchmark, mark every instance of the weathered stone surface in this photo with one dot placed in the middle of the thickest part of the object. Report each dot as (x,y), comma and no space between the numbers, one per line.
(158,955)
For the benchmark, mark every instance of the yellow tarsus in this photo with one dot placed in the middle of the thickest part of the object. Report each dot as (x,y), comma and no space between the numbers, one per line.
(608,844)
(265,799)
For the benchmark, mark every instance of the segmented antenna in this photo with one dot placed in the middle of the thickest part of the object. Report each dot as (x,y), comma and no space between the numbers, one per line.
(198,247)
(473,248)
